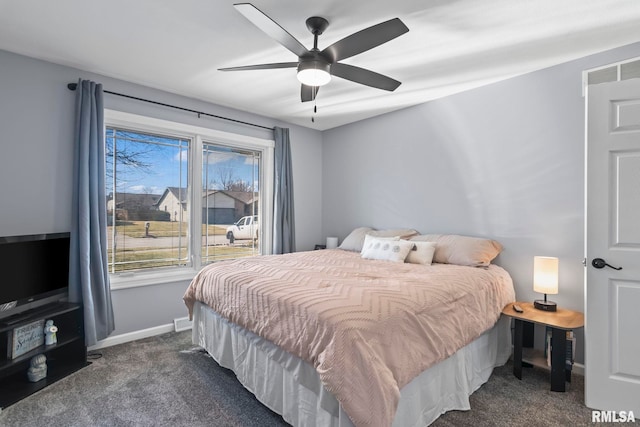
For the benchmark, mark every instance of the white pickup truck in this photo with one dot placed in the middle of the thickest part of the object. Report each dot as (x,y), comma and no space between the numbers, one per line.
(246,228)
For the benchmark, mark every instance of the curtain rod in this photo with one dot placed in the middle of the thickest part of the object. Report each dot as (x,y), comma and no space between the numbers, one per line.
(73,86)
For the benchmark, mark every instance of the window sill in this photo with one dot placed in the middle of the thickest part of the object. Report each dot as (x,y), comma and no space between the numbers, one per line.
(134,280)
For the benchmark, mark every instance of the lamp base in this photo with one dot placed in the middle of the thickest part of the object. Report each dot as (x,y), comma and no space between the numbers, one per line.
(545,305)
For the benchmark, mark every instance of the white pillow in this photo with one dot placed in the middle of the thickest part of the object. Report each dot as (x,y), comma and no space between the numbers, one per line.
(421,253)
(387,249)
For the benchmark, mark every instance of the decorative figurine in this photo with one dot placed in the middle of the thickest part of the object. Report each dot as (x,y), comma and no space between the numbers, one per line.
(38,369)
(50,333)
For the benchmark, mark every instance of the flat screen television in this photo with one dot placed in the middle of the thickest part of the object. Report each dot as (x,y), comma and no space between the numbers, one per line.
(34,270)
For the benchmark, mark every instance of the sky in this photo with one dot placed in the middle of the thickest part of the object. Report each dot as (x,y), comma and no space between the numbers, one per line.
(148,163)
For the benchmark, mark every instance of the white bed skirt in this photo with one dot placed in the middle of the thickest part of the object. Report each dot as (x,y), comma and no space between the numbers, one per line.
(291,387)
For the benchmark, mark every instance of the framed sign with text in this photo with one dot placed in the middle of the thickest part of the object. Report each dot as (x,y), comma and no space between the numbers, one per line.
(25,338)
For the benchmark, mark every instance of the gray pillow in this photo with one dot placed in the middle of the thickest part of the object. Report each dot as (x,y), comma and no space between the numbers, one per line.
(462,250)
(355,240)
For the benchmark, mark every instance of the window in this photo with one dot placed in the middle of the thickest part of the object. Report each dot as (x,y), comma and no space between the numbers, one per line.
(180,196)
(230,192)
(146,186)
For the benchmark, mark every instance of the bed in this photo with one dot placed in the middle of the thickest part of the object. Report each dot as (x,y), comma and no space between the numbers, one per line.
(333,337)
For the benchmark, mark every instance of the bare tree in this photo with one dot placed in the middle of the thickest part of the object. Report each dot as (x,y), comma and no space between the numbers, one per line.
(239,185)
(127,157)
(226,180)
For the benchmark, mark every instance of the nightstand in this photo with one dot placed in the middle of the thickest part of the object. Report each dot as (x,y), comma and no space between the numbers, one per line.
(559,322)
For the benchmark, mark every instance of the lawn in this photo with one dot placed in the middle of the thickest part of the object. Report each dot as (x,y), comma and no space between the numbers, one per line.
(162,229)
(139,258)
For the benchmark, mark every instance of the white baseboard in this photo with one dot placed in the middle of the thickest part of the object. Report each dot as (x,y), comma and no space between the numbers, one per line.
(132,336)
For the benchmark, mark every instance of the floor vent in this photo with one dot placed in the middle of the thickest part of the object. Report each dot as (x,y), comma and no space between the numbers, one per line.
(182,324)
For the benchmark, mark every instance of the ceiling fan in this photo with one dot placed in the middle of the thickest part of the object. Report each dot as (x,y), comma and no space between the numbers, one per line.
(315,67)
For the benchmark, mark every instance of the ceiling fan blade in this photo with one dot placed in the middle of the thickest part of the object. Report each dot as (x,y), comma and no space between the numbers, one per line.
(308,93)
(271,28)
(261,66)
(365,77)
(365,39)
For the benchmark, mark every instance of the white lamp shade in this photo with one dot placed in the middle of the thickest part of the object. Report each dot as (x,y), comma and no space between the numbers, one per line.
(314,77)
(545,275)
(332,242)
(314,73)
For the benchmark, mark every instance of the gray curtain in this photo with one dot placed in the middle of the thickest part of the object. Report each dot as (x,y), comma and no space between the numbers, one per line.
(284,239)
(88,273)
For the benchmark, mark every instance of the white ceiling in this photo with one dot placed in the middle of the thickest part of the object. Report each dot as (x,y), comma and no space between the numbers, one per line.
(177,46)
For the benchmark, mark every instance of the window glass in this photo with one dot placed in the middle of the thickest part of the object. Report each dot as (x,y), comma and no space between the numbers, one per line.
(147,203)
(230,195)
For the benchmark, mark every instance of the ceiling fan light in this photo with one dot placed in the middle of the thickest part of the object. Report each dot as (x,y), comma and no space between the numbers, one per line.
(314,73)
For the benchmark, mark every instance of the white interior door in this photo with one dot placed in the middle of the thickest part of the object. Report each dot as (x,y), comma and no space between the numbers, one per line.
(612,317)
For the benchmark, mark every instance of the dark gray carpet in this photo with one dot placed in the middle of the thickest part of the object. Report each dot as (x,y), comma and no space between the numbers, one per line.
(164,381)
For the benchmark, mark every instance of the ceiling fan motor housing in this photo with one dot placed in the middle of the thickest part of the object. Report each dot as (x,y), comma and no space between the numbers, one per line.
(314,70)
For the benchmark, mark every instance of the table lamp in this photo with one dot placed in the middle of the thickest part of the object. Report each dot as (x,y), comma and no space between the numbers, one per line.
(545,281)
(332,242)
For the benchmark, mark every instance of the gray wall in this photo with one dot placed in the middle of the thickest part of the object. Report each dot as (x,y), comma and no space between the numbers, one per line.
(36,133)
(504,161)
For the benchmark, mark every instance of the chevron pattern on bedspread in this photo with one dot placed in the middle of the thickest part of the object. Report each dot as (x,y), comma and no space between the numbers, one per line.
(368,327)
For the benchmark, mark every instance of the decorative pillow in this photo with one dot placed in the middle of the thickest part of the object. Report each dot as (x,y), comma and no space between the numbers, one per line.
(461,250)
(385,248)
(421,253)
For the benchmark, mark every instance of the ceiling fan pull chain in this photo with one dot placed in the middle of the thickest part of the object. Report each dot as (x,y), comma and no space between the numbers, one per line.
(315,103)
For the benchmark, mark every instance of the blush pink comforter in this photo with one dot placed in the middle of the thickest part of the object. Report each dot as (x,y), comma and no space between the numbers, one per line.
(368,327)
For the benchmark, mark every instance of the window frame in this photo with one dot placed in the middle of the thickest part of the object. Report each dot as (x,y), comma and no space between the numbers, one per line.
(198,136)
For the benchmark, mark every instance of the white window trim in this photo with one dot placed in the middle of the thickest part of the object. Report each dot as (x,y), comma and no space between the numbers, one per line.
(198,135)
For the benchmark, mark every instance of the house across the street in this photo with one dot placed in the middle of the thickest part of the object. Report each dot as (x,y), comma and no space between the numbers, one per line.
(218,206)
(133,206)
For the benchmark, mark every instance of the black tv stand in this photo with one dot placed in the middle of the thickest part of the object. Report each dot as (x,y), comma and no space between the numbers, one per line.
(68,355)
(33,313)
